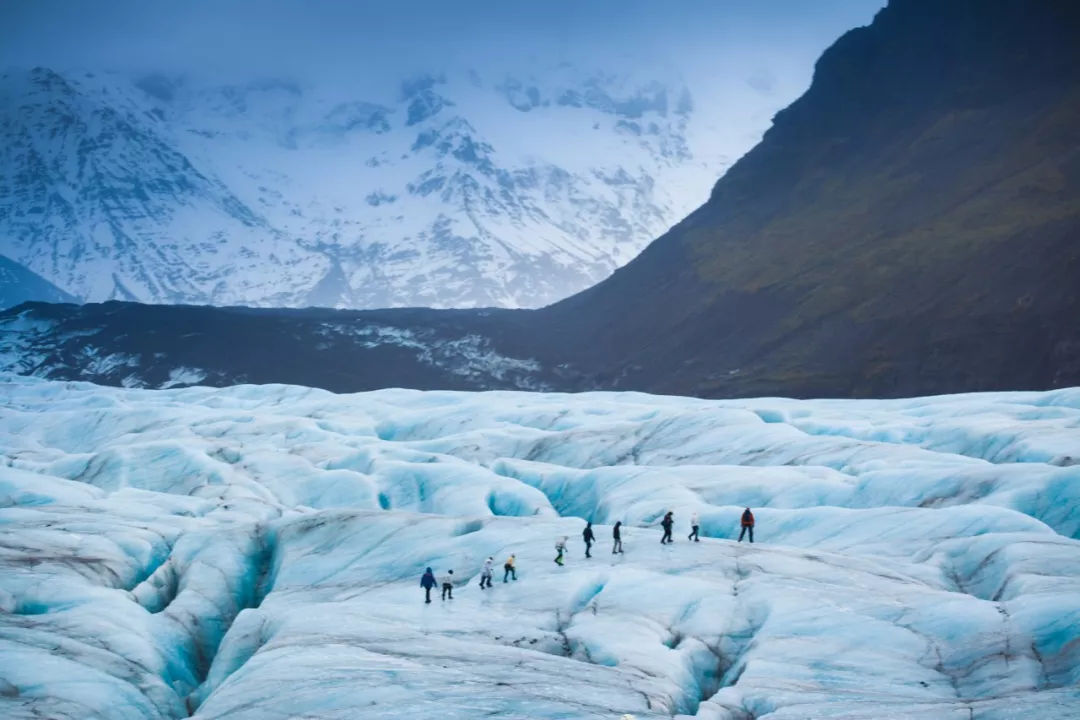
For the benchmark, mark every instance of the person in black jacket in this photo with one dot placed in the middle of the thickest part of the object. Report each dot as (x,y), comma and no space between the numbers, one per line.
(617,535)
(588,537)
(427,582)
(667,523)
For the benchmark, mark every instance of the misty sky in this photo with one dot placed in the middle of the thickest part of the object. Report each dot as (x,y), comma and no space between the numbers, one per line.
(769,45)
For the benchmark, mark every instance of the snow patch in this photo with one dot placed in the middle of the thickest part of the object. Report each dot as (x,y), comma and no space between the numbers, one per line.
(471,356)
(183,377)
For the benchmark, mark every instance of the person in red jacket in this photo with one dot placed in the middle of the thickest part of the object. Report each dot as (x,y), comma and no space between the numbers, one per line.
(747,524)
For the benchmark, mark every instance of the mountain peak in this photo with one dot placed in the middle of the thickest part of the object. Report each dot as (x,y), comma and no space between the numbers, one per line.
(261,192)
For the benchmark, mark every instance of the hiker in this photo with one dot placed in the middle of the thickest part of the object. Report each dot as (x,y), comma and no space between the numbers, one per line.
(588,537)
(560,548)
(667,523)
(486,573)
(448,585)
(509,569)
(616,533)
(747,524)
(694,527)
(427,582)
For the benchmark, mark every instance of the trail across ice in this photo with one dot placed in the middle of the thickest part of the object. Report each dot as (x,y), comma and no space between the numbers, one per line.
(255,552)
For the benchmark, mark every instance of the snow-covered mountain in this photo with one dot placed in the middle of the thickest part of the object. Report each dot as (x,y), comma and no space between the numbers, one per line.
(909,226)
(19,285)
(255,552)
(452,190)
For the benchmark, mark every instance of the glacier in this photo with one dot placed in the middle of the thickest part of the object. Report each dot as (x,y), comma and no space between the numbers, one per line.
(255,552)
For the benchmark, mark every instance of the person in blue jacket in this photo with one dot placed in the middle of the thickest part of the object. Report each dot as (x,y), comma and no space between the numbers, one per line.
(427,582)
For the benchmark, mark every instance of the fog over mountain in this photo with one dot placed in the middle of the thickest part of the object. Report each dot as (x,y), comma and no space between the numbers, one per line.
(371,156)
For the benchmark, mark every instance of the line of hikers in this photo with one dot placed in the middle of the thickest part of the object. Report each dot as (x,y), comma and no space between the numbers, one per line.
(668,523)
(428,581)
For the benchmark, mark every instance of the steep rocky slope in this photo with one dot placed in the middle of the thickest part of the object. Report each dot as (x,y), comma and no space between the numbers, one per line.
(911,224)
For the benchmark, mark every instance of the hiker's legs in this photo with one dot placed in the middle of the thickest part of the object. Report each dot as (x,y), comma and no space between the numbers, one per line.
(427,595)
(751,528)
(588,546)
(742,532)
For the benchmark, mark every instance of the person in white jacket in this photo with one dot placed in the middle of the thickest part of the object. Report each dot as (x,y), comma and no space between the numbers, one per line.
(448,585)
(486,573)
(560,548)
(694,527)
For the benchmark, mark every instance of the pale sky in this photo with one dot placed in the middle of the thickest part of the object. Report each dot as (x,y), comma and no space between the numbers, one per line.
(765,43)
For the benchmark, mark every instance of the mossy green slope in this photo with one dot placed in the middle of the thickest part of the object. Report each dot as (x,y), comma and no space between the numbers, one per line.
(910,225)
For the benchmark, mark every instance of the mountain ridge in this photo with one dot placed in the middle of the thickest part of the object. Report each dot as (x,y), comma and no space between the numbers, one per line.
(837,215)
(909,226)
(271,193)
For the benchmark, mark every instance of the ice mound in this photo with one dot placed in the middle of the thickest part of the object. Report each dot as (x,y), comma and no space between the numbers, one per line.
(255,552)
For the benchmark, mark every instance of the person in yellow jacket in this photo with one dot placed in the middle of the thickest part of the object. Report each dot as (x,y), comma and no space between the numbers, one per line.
(510,568)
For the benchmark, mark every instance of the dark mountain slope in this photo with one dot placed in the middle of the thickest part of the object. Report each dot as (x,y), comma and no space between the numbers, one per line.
(121,343)
(910,225)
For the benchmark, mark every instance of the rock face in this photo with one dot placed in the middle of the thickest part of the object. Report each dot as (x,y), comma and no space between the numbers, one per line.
(457,191)
(911,225)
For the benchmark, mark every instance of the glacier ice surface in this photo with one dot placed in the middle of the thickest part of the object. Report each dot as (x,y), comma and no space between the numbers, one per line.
(255,552)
